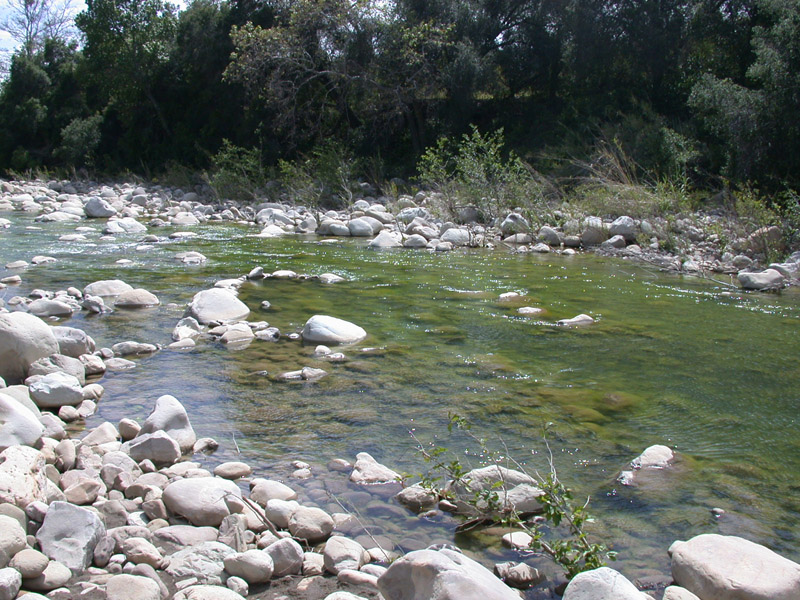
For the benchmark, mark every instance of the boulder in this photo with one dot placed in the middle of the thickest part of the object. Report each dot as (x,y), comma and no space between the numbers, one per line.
(59,363)
(132,587)
(12,538)
(55,390)
(360,227)
(550,236)
(207,592)
(22,476)
(441,575)
(56,575)
(602,584)
(311,524)
(69,535)
(578,321)
(204,561)
(415,241)
(217,304)
(170,416)
(287,557)
(10,583)
(720,567)
(322,329)
(343,553)
(158,447)
(18,425)
(44,307)
(385,239)
(136,298)
(623,226)
(29,562)
(254,566)
(106,288)
(456,236)
(73,342)
(514,223)
(24,339)
(264,490)
(769,279)
(124,225)
(203,500)
(98,208)
(368,471)
(280,511)
(654,457)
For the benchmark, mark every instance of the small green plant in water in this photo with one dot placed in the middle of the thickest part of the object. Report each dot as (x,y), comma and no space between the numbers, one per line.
(564,540)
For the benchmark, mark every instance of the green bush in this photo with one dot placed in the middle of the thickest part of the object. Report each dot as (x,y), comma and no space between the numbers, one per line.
(324,178)
(476,171)
(237,172)
(79,140)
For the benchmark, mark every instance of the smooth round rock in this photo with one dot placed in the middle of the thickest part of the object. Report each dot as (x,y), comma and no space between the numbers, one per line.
(132,587)
(233,470)
(254,566)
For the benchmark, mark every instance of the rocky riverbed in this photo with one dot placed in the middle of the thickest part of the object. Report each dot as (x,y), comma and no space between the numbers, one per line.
(127,510)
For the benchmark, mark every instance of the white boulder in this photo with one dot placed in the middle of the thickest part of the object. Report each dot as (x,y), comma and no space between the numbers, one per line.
(56,389)
(24,339)
(441,575)
(217,304)
(323,329)
(69,534)
(720,567)
(602,584)
(369,471)
(203,500)
(18,425)
(106,288)
(170,416)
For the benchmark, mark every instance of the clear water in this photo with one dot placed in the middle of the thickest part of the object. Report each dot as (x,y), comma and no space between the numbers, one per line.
(686,362)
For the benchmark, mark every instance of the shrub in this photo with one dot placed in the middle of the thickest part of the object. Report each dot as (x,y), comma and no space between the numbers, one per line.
(79,140)
(237,172)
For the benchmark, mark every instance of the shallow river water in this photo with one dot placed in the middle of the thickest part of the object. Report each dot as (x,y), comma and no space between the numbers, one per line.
(687,362)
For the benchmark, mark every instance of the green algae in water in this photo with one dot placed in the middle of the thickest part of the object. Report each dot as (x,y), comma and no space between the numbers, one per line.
(669,360)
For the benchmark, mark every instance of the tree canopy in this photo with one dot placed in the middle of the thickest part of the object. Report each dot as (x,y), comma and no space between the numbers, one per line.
(707,88)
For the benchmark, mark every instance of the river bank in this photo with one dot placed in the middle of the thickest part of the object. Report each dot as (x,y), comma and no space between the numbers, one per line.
(231,280)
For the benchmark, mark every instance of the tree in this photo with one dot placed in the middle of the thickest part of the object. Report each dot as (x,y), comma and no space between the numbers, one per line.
(127,48)
(31,22)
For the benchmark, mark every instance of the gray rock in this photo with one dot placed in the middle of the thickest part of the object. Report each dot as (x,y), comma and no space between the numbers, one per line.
(18,425)
(441,575)
(170,416)
(185,535)
(675,592)
(69,535)
(280,511)
(206,592)
(343,553)
(287,557)
(12,538)
(217,304)
(29,562)
(769,279)
(73,342)
(415,241)
(50,308)
(719,567)
(654,457)
(264,490)
(417,498)
(385,239)
(59,363)
(22,476)
(106,288)
(55,390)
(311,524)
(578,321)
(369,471)
(10,583)
(625,227)
(137,298)
(205,562)
(456,236)
(616,241)
(98,208)
(549,236)
(158,447)
(323,329)
(514,223)
(254,566)
(203,500)
(24,339)
(132,587)
(602,584)
(56,575)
